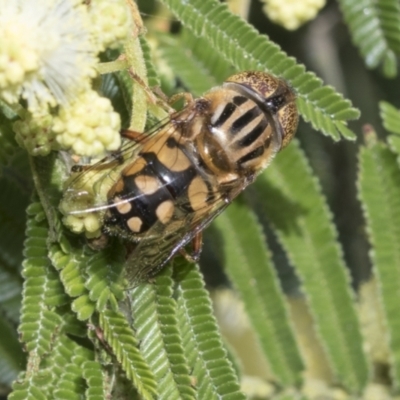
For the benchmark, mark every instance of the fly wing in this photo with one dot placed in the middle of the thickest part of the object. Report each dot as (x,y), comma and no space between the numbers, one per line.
(151,255)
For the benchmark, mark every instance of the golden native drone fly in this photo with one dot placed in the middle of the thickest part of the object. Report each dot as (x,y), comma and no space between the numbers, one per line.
(167,186)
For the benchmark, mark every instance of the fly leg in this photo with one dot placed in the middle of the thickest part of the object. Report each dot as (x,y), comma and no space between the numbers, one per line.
(105,163)
(185,96)
(138,137)
(197,244)
(154,95)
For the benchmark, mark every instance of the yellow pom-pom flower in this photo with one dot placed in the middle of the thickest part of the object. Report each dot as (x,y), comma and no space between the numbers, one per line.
(35,134)
(110,21)
(88,126)
(46,51)
(292,13)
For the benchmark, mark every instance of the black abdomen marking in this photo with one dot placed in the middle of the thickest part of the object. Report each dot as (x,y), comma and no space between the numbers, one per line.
(149,196)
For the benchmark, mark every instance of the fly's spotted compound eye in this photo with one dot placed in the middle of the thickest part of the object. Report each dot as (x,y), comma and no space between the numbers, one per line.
(164,190)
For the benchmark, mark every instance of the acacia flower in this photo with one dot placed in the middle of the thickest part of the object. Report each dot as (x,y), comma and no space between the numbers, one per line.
(89,125)
(46,51)
(110,22)
(36,135)
(292,13)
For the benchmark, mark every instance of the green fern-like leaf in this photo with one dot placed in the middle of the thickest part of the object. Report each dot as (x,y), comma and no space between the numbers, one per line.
(211,61)
(104,270)
(379,192)
(38,320)
(124,344)
(55,295)
(72,274)
(292,201)
(390,117)
(70,267)
(93,374)
(389,15)
(241,45)
(54,365)
(33,388)
(152,76)
(375,28)
(214,375)
(49,174)
(71,384)
(183,61)
(71,324)
(248,264)
(155,322)
(84,307)
(60,356)
(391,121)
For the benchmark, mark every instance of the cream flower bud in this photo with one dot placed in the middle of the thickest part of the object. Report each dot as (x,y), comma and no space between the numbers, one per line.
(47,53)
(89,125)
(292,13)
(111,21)
(36,135)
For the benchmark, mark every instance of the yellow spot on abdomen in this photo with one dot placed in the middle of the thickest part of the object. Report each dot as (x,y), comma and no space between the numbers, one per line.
(147,184)
(197,193)
(123,206)
(134,167)
(172,157)
(134,224)
(165,211)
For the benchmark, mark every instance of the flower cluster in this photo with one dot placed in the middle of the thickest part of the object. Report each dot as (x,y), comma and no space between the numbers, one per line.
(48,55)
(89,125)
(35,133)
(292,13)
(45,51)
(110,21)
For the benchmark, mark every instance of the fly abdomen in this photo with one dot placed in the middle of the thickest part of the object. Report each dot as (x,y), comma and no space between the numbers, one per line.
(147,191)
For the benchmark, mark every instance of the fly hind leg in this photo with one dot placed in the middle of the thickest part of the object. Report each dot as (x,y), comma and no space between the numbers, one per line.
(186,97)
(157,97)
(114,159)
(138,137)
(197,244)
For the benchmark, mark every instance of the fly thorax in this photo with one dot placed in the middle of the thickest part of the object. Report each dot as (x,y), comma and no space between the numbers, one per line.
(239,139)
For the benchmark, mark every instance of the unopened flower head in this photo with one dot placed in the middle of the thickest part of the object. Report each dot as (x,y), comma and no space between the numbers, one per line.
(46,51)
(292,13)
(36,135)
(110,22)
(89,125)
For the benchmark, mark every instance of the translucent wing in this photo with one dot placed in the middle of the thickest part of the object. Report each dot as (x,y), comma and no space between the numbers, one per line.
(151,254)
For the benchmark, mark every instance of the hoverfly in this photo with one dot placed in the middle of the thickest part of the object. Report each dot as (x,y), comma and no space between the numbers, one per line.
(163,190)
